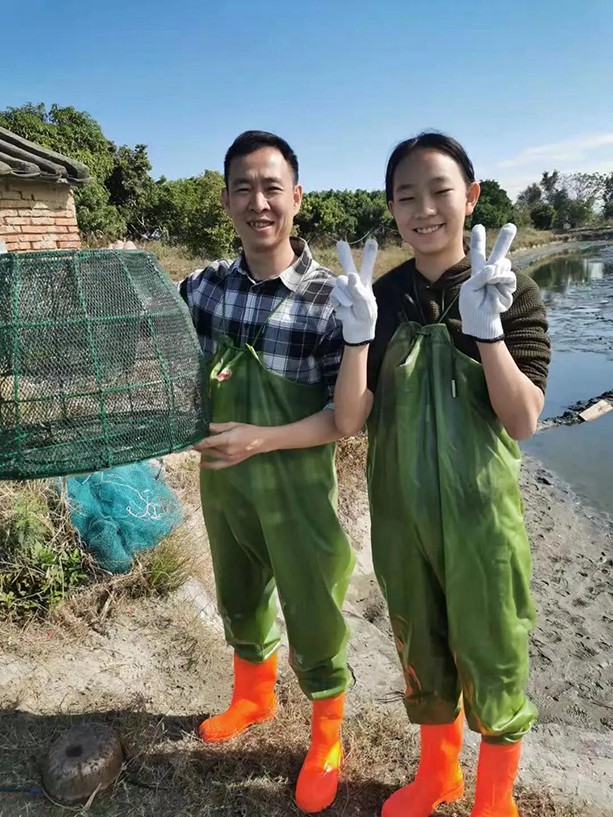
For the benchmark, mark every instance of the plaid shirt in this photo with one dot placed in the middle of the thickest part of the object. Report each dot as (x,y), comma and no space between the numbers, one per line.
(302,340)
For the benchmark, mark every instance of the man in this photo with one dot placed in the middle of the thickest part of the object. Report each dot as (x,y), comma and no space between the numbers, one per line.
(268,484)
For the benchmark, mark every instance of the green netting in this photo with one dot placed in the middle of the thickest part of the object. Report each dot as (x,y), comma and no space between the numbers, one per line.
(99,363)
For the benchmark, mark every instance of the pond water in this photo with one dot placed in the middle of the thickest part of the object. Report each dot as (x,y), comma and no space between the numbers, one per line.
(578,291)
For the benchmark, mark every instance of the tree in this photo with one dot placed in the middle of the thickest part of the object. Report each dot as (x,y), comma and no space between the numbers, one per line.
(542,215)
(324,216)
(549,183)
(189,212)
(494,207)
(65,130)
(607,196)
(130,186)
(571,213)
(369,209)
(78,135)
(522,216)
(586,187)
(531,195)
(569,199)
(350,214)
(574,198)
(95,216)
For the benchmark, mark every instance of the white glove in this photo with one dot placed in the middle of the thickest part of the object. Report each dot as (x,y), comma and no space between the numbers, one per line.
(489,290)
(352,296)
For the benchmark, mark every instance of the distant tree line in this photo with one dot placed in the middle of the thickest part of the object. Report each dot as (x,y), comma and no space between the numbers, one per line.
(123,199)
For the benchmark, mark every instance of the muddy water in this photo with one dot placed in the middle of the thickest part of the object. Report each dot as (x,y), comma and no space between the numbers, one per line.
(578,292)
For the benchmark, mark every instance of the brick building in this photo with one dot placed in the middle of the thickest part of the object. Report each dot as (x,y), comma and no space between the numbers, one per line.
(37,209)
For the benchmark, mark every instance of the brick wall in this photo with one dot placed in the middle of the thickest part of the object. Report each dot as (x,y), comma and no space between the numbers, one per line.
(35,216)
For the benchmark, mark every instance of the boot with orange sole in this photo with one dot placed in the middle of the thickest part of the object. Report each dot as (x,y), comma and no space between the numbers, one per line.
(496,773)
(253,701)
(438,779)
(318,779)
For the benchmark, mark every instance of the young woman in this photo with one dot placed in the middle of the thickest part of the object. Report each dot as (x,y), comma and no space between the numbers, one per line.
(448,360)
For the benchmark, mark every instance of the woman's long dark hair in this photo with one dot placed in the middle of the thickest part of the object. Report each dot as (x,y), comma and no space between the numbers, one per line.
(430,140)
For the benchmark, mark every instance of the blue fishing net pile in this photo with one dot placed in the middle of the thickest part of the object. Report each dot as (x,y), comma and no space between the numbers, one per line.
(123,510)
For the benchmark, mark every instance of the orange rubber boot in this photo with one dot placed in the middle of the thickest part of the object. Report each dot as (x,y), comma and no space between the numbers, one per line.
(253,701)
(318,779)
(496,773)
(438,779)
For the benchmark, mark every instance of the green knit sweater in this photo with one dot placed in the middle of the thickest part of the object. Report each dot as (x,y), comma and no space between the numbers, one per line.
(405,293)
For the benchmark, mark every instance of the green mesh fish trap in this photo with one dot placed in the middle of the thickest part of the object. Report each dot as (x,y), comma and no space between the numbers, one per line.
(99,363)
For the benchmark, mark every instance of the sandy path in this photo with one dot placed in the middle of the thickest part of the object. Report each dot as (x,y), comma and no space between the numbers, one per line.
(164,658)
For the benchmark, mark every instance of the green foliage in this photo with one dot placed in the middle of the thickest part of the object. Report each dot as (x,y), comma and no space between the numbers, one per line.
(574,198)
(607,196)
(542,215)
(571,213)
(521,216)
(494,207)
(124,200)
(323,215)
(65,130)
(130,185)
(78,135)
(40,557)
(95,216)
(565,200)
(350,214)
(189,212)
(531,195)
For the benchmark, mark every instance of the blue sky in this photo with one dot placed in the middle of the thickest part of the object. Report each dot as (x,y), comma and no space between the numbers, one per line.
(525,85)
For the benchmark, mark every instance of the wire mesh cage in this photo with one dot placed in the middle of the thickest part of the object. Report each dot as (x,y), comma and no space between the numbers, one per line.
(100,364)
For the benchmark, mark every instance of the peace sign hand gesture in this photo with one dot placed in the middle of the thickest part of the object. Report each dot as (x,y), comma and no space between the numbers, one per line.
(352,296)
(489,290)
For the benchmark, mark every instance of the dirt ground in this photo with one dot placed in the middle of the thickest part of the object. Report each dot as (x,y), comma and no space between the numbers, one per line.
(154,668)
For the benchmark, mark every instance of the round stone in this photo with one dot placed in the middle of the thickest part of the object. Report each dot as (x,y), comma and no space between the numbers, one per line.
(86,758)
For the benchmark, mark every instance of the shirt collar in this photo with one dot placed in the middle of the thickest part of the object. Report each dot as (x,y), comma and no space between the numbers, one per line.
(293,276)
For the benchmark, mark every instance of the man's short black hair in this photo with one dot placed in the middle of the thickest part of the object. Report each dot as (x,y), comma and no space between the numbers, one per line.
(252,140)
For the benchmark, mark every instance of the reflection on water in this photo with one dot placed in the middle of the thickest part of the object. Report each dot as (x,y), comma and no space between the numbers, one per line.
(578,292)
(561,274)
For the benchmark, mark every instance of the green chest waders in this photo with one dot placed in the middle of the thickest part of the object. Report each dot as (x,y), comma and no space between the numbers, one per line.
(449,544)
(272,521)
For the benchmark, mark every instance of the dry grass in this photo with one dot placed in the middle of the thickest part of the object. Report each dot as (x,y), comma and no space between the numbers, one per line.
(351,471)
(46,570)
(527,237)
(157,572)
(168,771)
(387,258)
(178,262)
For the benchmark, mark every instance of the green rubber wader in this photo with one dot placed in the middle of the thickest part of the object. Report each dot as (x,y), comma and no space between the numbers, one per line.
(272,520)
(449,543)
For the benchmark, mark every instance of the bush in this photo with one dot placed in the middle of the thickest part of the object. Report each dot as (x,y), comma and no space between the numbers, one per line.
(40,556)
(542,216)
(494,207)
